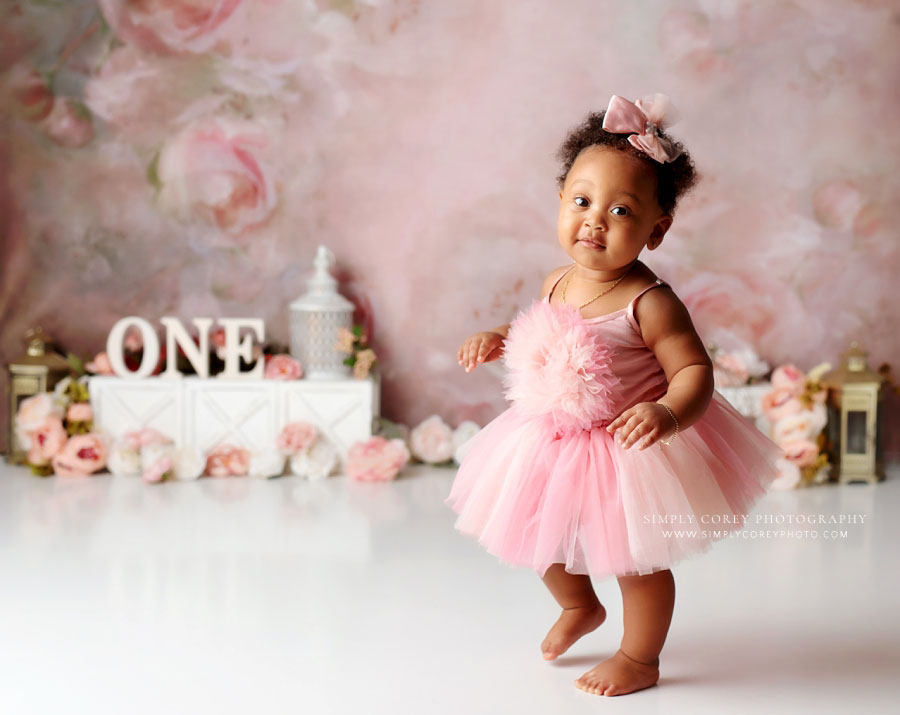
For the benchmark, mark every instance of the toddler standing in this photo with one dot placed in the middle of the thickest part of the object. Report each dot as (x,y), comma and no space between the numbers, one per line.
(616,451)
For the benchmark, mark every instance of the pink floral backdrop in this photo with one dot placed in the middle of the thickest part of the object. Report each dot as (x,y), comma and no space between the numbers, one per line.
(186,157)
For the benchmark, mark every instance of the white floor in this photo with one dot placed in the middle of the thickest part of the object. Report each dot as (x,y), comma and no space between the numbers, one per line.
(283,596)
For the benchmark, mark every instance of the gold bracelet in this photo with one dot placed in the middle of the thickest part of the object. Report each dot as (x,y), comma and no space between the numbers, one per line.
(675,434)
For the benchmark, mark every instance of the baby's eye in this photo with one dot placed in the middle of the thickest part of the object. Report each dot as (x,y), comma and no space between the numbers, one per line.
(581,198)
(625,210)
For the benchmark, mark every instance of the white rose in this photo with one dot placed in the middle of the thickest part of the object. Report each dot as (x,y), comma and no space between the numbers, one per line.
(267,463)
(788,475)
(432,441)
(461,436)
(188,464)
(315,462)
(123,461)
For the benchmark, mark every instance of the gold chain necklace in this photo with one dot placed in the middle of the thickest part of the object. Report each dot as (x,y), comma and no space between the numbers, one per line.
(604,292)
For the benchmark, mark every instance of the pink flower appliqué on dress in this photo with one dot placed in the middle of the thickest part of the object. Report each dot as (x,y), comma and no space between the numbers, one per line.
(556,364)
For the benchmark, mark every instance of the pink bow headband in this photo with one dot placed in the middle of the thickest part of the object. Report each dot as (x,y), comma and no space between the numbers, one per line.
(643,120)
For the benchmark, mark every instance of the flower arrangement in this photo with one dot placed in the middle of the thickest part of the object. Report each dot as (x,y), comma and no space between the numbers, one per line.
(56,430)
(355,342)
(795,410)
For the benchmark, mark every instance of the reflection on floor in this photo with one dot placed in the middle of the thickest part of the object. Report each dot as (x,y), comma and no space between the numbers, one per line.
(285,596)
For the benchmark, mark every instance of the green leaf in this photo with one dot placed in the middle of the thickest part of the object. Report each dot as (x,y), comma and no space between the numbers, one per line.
(76,363)
(357,330)
(152,172)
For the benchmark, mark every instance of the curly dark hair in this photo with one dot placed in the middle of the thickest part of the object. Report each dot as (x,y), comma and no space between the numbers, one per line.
(674,178)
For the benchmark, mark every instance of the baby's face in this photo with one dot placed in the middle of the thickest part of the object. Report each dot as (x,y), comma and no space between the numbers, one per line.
(609,197)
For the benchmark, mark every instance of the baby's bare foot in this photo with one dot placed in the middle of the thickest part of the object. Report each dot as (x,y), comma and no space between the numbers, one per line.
(570,626)
(619,675)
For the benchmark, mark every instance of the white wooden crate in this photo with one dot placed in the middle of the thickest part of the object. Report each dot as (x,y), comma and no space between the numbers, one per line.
(204,412)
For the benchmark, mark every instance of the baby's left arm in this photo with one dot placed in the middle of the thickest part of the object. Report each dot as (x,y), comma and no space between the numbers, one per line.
(668,331)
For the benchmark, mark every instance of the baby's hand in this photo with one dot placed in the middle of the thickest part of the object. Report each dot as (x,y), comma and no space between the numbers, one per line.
(481,347)
(645,419)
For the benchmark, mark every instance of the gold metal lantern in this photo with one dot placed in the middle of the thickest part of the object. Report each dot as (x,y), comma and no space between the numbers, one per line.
(855,418)
(38,370)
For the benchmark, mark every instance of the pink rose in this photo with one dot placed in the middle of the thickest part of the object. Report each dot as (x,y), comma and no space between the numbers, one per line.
(364,361)
(779,403)
(345,340)
(143,437)
(227,460)
(156,472)
(432,441)
(80,412)
(69,124)
(100,365)
(167,25)
(296,437)
(83,454)
(134,340)
(31,95)
(789,377)
(46,441)
(212,168)
(283,367)
(376,459)
(801,452)
(730,370)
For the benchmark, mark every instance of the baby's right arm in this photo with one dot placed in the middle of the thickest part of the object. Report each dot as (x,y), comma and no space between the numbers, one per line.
(487,346)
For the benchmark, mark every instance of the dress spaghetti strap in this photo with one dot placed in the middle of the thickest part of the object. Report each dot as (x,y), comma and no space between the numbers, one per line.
(556,282)
(630,310)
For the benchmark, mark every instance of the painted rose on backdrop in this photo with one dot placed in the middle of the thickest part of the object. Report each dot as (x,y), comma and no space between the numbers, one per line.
(213,169)
(168,25)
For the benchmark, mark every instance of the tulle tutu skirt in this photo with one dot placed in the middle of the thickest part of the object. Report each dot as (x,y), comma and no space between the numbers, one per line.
(534,498)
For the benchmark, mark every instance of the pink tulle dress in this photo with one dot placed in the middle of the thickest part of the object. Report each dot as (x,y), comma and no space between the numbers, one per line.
(544,482)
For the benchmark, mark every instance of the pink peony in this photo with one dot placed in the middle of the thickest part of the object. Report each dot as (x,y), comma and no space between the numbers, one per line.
(556,364)
(226,460)
(807,424)
(789,377)
(157,471)
(168,25)
(212,169)
(100,365)
(780,403)
(801,452)
(69,124)
(46,441)
(83,454)
(432,441)
(80,412)
(376,460)
(296,437)
(283,367)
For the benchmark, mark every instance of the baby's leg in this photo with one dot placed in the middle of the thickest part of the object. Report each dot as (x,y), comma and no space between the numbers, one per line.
(647,603)
(582,610)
